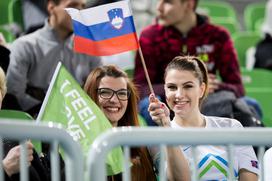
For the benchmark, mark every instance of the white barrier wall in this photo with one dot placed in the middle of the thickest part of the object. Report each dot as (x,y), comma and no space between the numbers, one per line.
(56,137)
(128,137)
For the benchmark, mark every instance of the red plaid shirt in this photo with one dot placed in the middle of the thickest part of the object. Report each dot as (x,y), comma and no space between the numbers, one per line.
(211,43)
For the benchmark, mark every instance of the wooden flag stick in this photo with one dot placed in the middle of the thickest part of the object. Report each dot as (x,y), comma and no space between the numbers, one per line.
(145,71)
(147,76)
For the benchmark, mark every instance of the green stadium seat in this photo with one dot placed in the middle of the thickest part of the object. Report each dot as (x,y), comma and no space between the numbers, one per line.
(5,113)
(15,115)
(15,13)
(243,41)
(258,85)
(142,121)
(11,14)
(4,11)
(9,37)
(258,25)
(252,13)
(228,23)
(130,72)
(214,8)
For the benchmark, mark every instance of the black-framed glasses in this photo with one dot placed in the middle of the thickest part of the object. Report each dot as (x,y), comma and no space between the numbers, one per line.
(107,93)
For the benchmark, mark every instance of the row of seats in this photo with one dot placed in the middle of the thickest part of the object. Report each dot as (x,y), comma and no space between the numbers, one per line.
(223,13)
(258,85)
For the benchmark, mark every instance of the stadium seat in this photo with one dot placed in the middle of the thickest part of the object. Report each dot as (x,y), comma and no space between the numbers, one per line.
(252,13)
(258,25)
(142,121)
(258,85)
(9,37)
(4,11)
(5,113)
(15,13)
(130,72)
(214,8)
(228,23)
(13,114)
(243,41)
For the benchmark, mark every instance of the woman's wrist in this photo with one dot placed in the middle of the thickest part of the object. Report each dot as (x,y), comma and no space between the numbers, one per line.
(6,168)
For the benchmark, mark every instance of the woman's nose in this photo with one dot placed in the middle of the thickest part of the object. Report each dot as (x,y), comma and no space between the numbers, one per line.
(179,93)
(114,98)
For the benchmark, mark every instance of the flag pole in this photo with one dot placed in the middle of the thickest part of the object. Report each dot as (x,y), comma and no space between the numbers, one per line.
(48,92)
(147,76)
(145,71)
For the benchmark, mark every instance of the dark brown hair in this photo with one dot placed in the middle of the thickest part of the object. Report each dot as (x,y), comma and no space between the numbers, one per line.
(194,65)
(54,1)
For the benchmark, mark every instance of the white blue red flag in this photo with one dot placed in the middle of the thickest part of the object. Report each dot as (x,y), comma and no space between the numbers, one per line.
(104,30)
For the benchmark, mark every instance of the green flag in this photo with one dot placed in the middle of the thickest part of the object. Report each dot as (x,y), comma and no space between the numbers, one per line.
(68,104)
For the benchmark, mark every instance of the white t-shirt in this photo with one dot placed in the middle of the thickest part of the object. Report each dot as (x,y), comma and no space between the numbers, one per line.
(268,165)
(212,162)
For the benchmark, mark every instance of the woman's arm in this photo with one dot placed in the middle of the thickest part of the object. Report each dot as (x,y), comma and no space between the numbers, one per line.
(245,175)
(178,168)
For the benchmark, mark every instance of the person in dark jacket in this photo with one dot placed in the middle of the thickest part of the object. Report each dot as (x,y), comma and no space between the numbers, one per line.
(263,54)
(10,101)
(11,163)
(11,159)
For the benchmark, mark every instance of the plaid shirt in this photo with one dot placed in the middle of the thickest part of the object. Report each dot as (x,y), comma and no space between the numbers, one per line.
(211,43)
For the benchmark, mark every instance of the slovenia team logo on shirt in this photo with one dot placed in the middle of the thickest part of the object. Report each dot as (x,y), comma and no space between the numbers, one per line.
(214,166)
(116,17)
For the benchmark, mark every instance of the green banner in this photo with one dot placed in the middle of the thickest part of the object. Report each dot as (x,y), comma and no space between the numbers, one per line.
(68,104)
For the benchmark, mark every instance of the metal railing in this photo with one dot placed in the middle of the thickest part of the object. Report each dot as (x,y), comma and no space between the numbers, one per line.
(128,137)
(55,136)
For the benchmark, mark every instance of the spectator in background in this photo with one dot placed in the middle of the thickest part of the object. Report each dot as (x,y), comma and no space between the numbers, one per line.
(186,86)
(10,101)
(179,30)
(11,160)
(263,55)
(34,57)
(3,87)
(4,52)
(34,14)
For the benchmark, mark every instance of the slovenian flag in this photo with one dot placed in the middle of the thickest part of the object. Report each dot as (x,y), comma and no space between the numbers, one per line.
(104,30)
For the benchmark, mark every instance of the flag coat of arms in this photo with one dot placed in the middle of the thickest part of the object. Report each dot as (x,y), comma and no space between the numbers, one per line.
(68,104)
(104,30)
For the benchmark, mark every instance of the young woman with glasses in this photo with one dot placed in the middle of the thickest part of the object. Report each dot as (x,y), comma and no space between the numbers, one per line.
(115,94)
